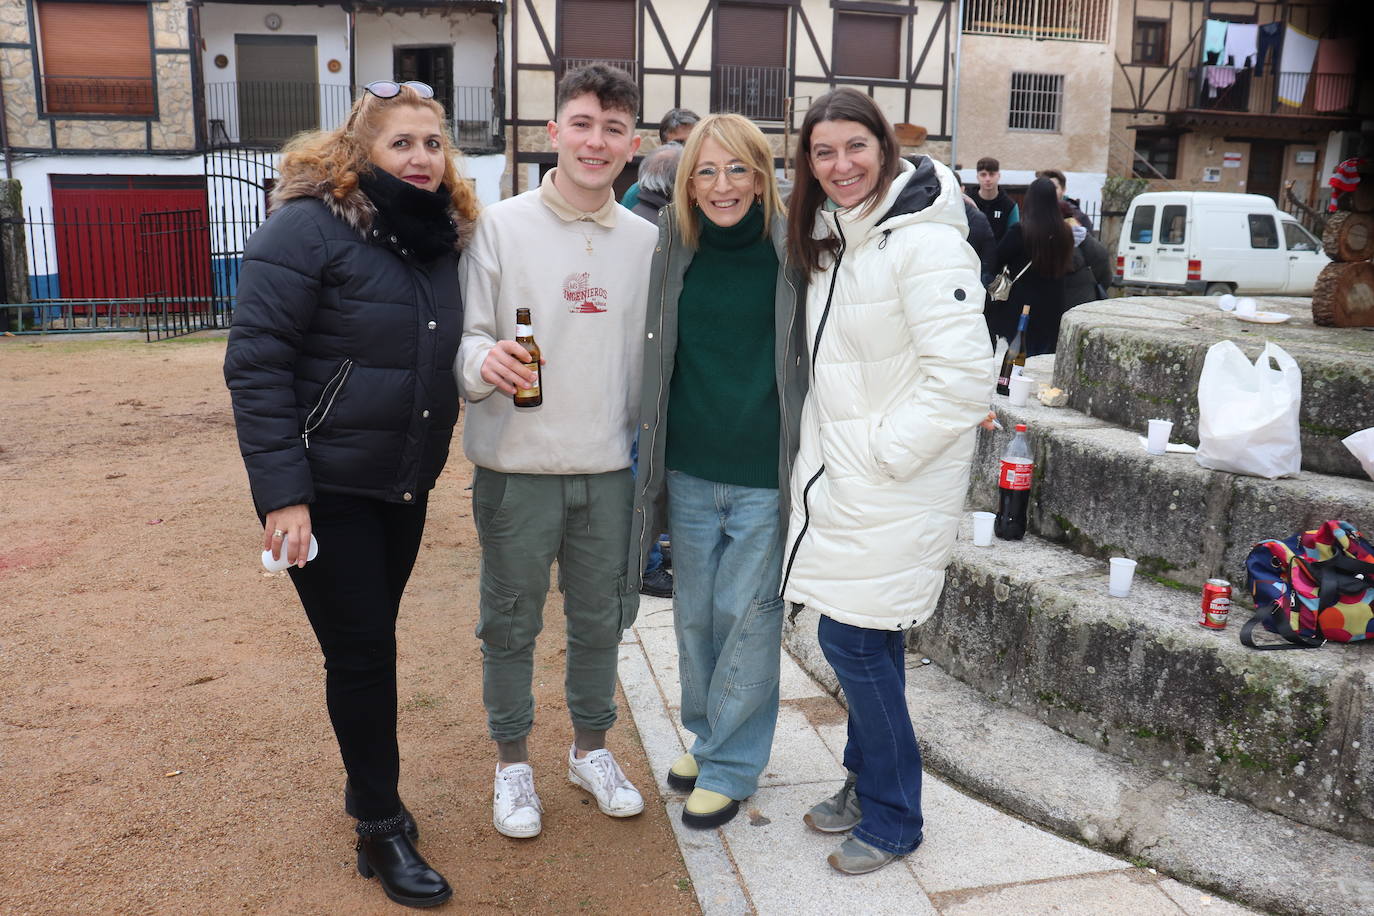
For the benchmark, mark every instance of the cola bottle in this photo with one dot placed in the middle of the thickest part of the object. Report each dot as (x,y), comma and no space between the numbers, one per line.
(1013,487)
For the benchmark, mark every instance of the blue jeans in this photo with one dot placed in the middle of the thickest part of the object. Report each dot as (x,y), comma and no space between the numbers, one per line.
(882,749)
(727,561)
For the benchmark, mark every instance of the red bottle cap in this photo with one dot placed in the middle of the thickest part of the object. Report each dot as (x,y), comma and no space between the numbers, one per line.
(1020,427)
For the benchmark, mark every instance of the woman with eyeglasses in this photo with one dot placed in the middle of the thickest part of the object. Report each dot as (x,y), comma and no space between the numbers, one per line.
(340,366)
(900,365)
(722,389)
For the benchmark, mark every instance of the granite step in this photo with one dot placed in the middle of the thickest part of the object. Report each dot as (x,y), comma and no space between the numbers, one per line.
(1131,359)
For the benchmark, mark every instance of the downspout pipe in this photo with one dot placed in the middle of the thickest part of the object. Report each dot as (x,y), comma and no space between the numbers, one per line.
(954,92)
(5,135)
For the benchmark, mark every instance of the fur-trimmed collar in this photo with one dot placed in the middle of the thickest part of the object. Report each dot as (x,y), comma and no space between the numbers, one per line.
(354,208)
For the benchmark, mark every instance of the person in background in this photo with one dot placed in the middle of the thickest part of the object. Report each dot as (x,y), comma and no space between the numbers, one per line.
(981,239)
(1042,240)
(1000,209)
(339,365)
(673,128)
(724,378)
(899,380)
(554,481)
(1091,271)
(1060,183)
(657,174)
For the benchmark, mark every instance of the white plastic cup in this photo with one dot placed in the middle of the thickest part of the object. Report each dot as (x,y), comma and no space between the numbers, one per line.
(1119,581)
(982,528)
(1020,386)
(1159,436)
(1226,302)
(1246,307)
(272,565)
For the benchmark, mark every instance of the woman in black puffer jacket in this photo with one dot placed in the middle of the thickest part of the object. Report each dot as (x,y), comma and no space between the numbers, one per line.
(340,368)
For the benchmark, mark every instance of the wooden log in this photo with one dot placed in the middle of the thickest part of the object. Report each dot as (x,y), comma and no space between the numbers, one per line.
(1349,237)
(1344,295)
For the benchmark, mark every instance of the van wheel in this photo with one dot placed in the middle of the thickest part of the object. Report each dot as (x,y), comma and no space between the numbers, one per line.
(1218,289)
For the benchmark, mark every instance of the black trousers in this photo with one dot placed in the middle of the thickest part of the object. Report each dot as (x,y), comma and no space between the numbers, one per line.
(351,593)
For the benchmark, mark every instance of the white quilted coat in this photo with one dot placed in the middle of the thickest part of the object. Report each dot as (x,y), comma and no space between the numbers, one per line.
(901,376)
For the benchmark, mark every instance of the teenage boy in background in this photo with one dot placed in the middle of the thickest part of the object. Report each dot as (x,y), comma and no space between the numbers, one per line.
(554,481)
(1000,209)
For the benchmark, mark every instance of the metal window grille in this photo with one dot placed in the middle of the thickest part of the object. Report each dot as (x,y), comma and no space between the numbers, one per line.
(1066,20)
(1037,101)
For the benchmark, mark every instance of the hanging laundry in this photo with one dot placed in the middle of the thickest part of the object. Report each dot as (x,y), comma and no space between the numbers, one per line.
(1240,44)
(1270,38)
(1218,78)
(1335,83)
(1214,40)
(1295,65)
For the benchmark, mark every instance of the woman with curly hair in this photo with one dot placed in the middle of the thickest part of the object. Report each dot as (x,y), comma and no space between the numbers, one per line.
(340,368)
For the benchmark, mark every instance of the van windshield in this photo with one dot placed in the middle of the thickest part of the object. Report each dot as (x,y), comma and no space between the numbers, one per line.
(1143,225)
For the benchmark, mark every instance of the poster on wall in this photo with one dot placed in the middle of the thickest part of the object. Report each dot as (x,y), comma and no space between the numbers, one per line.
(1211,174)
(1306,157)
(1231,160)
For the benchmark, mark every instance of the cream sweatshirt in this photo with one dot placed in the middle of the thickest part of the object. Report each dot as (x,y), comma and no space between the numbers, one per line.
(587,309)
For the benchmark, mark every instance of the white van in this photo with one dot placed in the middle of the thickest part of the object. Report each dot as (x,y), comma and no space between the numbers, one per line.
(1209,242)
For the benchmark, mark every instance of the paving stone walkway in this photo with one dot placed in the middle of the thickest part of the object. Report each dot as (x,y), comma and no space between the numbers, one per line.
(975,858)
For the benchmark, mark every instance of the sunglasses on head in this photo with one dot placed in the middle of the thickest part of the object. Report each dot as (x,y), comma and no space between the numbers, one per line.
(389,89)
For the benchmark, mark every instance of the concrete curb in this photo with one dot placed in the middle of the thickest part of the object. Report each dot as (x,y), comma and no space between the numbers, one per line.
(1049,778)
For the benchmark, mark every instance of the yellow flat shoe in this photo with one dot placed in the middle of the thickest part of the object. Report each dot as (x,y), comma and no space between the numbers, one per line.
(683,773)
(706,809)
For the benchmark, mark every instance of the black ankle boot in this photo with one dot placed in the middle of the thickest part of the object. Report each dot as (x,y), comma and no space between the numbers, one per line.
(385,851)
(351,806)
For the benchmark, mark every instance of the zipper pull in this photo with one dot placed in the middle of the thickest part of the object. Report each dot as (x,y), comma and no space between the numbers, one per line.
(883,244)
(306,437)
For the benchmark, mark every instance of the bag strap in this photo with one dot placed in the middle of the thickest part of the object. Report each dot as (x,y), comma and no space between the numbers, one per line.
(1023,270)
(1341,575)
(1278,622)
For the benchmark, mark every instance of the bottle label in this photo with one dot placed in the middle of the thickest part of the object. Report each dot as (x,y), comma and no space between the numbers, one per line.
(1015,474)
(533,390)
(524,330)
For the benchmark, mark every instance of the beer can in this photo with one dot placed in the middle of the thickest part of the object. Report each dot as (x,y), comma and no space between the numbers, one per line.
(1216,604)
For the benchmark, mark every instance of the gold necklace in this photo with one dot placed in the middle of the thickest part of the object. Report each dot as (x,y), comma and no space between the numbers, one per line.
(586,236)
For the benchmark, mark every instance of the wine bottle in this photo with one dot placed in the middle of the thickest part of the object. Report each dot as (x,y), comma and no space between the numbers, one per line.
(1016,353)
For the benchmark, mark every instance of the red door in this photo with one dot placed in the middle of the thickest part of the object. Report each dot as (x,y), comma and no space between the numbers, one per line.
(96,231)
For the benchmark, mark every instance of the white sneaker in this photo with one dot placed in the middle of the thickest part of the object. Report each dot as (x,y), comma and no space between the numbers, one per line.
(600,775)
(515,807)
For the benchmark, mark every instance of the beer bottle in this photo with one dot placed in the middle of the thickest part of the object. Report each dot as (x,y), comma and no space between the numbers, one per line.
(1016,353)
(524,336)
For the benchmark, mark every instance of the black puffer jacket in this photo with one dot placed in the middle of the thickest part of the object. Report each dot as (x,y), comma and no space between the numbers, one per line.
(340,360)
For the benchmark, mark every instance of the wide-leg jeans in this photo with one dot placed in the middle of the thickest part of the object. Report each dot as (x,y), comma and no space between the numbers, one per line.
(882,749)
(727,612)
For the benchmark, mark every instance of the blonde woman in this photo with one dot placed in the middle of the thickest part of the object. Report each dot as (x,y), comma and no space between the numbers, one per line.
(340,367)
(724,379)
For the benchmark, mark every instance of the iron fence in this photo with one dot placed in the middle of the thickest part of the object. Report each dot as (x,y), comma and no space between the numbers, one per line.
(1284,93)
(759,93)
(1068,20)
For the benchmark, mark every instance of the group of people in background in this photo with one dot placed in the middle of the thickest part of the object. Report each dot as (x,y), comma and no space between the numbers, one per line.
(787,382)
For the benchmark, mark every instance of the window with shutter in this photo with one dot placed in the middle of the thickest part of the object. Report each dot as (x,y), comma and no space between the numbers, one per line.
(97,58)
(597,31)
(751,75)
(868,45)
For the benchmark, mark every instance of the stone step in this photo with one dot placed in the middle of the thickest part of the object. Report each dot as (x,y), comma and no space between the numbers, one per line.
(1099,492)
(1030,624)
(1014,760)
(1132,359)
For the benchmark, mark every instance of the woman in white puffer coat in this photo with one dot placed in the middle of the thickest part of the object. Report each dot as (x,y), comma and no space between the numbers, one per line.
(900,378)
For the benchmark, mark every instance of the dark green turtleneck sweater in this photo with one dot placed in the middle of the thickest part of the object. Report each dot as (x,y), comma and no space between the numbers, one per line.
(723,423)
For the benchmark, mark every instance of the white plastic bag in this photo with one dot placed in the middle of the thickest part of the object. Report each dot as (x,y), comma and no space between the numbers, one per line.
(1248,414)
(1361,445)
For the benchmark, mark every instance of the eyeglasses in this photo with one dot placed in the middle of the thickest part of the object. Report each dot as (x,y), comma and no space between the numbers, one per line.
(735,174)
(389,89)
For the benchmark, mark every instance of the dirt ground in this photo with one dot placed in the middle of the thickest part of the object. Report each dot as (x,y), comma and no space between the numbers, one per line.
(163,739)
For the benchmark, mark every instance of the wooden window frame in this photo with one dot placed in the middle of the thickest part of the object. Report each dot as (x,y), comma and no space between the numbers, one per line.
(1163,56)
(41,90)
(1136,169)
(841,14)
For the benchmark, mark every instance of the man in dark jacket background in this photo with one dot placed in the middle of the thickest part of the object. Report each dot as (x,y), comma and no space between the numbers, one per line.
(1000,210)
(657,173)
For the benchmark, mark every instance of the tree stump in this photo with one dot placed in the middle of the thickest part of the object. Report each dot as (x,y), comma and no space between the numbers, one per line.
(1344,295)
(1349,237)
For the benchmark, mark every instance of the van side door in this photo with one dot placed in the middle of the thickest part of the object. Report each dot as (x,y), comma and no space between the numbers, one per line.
(1305,258)
(1170,249)
(1266,261)
(1138,244)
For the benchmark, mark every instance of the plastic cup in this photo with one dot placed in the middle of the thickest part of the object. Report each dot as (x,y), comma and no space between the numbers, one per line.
(1119,582)
(1247,307)
(1020,387)
(1226,302)
(1159,436)
(982,528)
(272,565)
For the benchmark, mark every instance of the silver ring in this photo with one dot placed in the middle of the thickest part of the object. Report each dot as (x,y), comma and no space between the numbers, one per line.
(278,533)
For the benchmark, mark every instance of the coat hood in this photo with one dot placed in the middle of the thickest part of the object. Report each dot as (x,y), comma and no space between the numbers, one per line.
(354,208)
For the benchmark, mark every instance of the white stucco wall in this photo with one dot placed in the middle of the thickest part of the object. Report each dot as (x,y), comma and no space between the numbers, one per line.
(472,35)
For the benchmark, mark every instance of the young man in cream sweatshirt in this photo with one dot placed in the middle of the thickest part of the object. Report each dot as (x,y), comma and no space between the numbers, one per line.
(554,481)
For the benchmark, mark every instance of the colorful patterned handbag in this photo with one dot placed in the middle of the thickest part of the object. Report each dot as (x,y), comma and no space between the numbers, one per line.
(1312,587)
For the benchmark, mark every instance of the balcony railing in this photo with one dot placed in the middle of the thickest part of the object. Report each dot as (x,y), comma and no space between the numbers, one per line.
(1308,94)
(267,114)
(572,63)
(759,93)
(102,95)
(1081,20)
